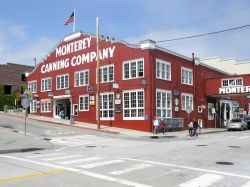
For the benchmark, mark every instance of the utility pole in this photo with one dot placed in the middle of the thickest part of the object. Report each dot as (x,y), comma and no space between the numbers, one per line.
(97,75)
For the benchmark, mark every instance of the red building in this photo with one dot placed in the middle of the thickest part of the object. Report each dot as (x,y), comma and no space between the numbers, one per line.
(137,82)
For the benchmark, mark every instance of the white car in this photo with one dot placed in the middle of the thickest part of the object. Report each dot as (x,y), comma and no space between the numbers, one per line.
(238,124)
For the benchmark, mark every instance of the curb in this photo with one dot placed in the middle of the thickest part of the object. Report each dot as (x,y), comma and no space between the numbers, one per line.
(80,127)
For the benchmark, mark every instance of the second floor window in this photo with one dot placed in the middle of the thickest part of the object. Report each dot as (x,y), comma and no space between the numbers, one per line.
(46,84)
(62,82)
(163,70)
(82,78)
(187,76)
(32,85)
(106,74)
(133,69)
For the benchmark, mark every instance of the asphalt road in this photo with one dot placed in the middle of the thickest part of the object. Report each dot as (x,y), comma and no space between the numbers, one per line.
(77,157)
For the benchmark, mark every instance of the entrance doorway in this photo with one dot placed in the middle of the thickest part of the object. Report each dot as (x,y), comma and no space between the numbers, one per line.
(62,105)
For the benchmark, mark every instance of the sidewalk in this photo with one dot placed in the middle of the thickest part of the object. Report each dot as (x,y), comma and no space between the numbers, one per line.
(110,130)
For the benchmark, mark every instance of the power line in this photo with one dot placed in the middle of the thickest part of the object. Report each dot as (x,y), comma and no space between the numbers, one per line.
(205,34)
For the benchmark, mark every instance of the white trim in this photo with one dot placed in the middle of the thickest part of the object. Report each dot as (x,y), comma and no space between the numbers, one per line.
(188,70)
(64,81)
(161,108)
(30,82)
(167,64)
(108,118)
(137,108)
(78,72)
(46,78)
(129,62)
(79,104)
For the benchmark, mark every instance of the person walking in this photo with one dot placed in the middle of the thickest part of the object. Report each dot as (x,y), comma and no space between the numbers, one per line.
(156,125)
(61,114)
(195,127)
(190,128)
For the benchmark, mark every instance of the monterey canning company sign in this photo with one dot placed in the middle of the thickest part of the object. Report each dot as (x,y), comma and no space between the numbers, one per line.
(79,45)
(234,90)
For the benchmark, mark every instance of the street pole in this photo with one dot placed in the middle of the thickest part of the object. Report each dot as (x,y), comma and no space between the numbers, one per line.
(26,112)
(97,75)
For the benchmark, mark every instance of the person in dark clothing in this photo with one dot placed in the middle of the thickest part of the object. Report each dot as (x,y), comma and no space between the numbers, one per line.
(195,127)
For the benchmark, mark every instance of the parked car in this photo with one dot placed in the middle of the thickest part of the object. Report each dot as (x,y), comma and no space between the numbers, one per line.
(247,119)
(237,124)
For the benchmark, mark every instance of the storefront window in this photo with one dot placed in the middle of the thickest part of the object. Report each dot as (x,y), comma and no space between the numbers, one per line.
(107,106)
(133,105)
(45,105)
(163,103)
(186,100)
(84,103)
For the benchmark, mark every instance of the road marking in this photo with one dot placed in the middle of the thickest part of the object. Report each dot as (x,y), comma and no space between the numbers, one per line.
(44,155)
(243,137)
(60,158)
(131,168)
(79,160)
(32,175)
(202,181)
(88,166)
(188,168)
(246,184)
(84,172)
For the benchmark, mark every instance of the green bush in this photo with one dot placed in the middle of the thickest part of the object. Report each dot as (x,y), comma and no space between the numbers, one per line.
(8,100)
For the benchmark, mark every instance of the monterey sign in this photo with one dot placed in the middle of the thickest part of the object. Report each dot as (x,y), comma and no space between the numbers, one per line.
(234,90)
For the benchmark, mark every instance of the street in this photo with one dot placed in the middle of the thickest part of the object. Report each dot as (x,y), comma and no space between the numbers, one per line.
(68,156)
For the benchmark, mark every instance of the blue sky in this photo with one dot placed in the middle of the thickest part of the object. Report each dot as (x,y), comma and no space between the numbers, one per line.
(31,28)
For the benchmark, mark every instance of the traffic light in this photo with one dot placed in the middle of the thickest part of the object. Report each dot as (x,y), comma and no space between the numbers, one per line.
(23,77)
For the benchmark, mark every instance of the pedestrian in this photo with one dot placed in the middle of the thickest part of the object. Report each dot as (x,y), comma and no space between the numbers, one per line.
(61,114)
(195,127)
(162,127)
(156,125)
(190,128)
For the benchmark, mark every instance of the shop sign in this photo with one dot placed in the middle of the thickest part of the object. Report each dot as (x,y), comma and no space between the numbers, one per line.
(234,90)
(118,101)
(90,89)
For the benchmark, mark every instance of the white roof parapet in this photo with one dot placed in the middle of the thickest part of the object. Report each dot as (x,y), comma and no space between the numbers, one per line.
(148,44)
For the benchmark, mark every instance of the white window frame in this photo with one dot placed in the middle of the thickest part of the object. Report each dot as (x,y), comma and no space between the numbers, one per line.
(32,85)
(84,106)
(64,85)
(130,70)
(44,84)
(184,104)
(45,105)
(33,106)
(160,72)
(130,108)
(83,73)
(232,82)
(160,104)
(110,106)
(187,76)
(108,73)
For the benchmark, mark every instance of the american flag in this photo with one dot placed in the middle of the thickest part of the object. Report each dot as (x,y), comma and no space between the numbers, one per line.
(70,19)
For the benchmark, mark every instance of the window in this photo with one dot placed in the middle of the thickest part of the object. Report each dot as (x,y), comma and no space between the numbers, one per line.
(46,84)
(33,106)
(133,105)
(232,82)
(84,103)
(32,86)
(107,73)
(163,70)
(45,105)
(82,78)
(163,103)
(62,82)
(107,106)
(186,76)
(186,100)
(133,69)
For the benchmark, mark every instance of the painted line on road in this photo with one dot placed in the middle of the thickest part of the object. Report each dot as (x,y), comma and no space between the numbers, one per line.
(187,167)
(44,155)
(32,175)
(131,169)
(88,166)
(80,160)
(246,184)
(61,157)
(84,172)
(204,181)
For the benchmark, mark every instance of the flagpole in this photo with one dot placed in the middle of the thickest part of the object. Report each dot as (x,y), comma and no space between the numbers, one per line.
(74,25)
(97,75)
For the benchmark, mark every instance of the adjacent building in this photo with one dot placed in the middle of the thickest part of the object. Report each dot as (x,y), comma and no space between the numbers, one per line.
(137,83)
